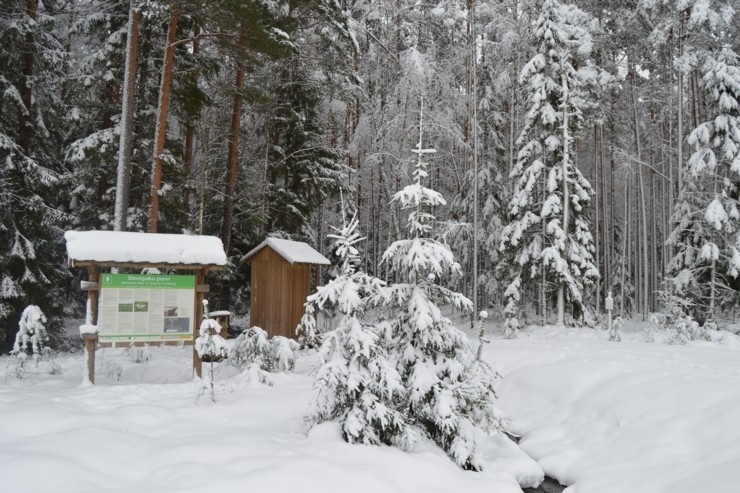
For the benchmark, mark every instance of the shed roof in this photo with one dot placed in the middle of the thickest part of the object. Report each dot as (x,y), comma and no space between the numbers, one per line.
(124,247)
(295,252)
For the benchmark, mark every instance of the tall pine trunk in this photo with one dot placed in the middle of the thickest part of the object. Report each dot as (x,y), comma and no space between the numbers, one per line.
(162,109)
(190,132)
(232,168)
(123,180)
(643,212)
(566,198)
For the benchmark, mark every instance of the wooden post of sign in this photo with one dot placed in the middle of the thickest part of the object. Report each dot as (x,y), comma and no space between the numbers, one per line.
(200,291)
(91,340)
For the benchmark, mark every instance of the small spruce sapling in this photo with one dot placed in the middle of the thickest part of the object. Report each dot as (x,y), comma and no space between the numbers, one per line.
(253,349)
(448,394)
(138,354)
(211,347)
(615,330)
(30,341)
(356,383)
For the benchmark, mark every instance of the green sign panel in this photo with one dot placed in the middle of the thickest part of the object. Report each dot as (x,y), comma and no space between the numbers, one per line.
(146,307)
(148,281)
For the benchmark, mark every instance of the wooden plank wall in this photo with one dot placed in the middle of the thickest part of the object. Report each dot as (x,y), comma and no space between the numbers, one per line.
(278,292)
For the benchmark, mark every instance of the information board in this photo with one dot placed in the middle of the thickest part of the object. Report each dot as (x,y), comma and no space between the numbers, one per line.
(146,307)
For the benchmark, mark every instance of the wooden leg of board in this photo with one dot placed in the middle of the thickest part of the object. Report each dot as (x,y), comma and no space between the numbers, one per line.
(90,351)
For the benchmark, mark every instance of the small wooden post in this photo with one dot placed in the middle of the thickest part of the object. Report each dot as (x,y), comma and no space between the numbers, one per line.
(200,276)
(91,340)
(609,305)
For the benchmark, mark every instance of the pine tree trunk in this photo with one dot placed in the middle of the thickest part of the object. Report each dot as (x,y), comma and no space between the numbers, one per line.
(679,138)
(123,180)
(232,169)
(566,198)
(190,133)
(643,221)
(625,264)
(162,109)
(599,226)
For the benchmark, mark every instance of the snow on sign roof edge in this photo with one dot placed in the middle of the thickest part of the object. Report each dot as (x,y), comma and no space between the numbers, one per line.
(295,252)
(145,248)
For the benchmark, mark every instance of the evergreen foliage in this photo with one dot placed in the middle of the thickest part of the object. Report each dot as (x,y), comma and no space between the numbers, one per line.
(32,190)
(253,348)
(356,384)
(447,393)
(536,239)
(707,216)
(31,341)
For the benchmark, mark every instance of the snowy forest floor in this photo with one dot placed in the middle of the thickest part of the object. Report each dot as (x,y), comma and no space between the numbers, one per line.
(601,416)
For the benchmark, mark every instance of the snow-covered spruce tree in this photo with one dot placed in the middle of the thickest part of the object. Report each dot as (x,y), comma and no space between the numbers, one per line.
(707,217)
(32,190)
(211,347)
(448,395)
(689,235)
(357,384)
(547,230)
(254,352)
(459,234)
(31,341)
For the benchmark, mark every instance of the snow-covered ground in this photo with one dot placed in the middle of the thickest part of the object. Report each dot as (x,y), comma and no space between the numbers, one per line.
(602,416)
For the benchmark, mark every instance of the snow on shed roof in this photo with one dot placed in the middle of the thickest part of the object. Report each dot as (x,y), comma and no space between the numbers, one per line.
(143,248)
(295,252)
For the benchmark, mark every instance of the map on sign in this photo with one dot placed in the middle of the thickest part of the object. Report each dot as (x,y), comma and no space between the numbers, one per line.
(146,307)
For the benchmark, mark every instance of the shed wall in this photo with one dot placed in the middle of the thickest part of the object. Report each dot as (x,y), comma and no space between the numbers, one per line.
(278,292)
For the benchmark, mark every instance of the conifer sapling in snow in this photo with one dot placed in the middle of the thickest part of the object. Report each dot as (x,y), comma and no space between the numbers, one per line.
(449,395)
(356,383)
(210,347)
(30,341)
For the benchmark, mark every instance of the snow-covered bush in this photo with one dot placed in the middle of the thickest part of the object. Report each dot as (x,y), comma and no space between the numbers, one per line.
(252,347)
(283,353)
(210,345)
(138,354)
(30,342)
(678,325)
(307,330)
(615,331)
(112,370)
(654,325)
(679,331)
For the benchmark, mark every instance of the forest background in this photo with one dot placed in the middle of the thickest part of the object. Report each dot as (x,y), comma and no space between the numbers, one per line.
(243,119)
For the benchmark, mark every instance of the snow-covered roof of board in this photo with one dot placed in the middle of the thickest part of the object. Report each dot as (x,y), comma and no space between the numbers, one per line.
(85,247)
(295,252)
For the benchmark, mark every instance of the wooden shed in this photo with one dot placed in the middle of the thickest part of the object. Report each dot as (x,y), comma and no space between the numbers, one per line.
(283,275)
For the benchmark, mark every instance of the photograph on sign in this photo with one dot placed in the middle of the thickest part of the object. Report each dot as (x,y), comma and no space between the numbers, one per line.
(146,307)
